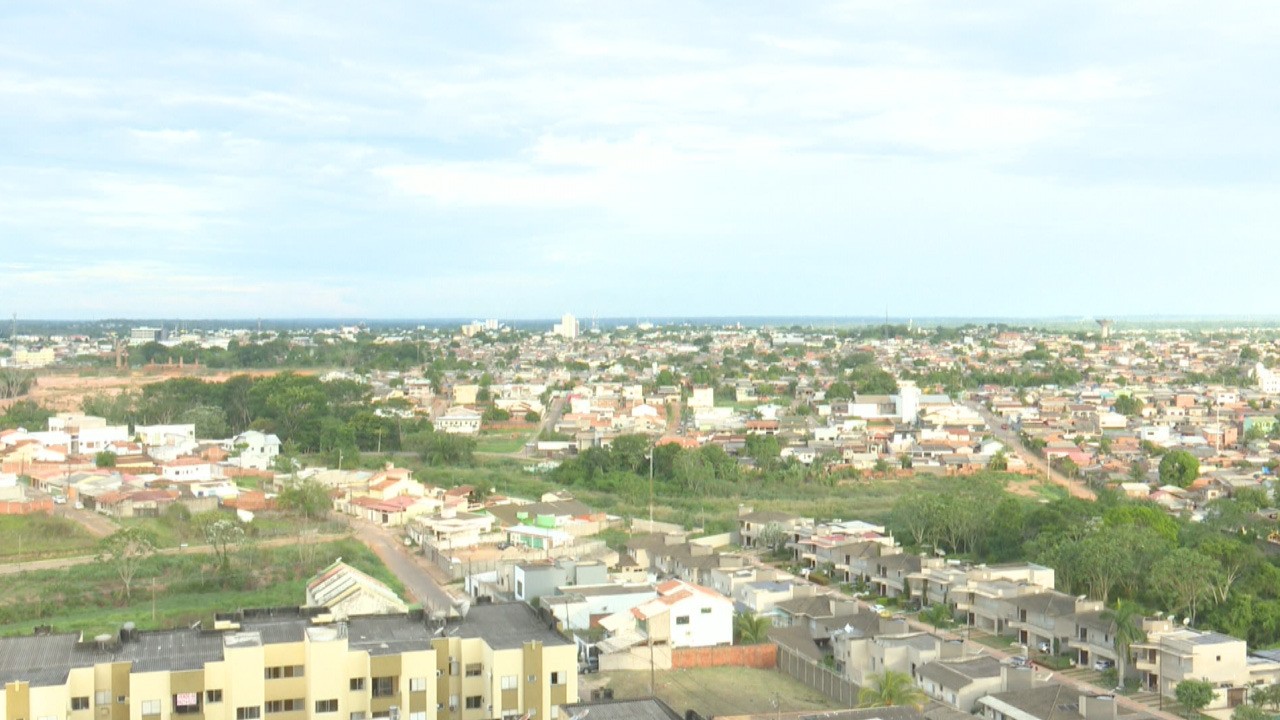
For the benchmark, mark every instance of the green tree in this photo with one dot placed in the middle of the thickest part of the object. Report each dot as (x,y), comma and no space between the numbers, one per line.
(938,615)
(1180,468)
(1127,405)
(210,421)
(104,459)
(891,689)
(223,536)
(1184,579)
(1194,695)
(749,629)
(126,549)
(772,536)
(1249,712)
(1126,630)
(308,498)
(999,462)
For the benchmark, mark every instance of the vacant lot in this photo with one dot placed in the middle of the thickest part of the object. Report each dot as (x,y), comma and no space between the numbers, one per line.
(34,537)
(186,588)
(717,691)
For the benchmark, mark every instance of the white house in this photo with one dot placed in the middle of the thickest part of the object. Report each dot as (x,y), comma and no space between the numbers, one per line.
(256,450)
(162,435)
(459,421)
(687,615)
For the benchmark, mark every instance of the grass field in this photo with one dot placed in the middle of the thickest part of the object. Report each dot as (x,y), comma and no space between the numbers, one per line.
(719,691)
(501,442)
(174,529)
(187,588)
(34,537)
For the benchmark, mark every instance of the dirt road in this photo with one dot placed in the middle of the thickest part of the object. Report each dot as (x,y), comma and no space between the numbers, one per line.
(1014,443)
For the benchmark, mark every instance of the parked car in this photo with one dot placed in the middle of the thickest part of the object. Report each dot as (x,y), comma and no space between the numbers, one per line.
(1101,665)
(1019,661)
(1044,647)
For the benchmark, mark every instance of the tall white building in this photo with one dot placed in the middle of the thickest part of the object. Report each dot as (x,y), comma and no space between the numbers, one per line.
(567,327)
(1268,380)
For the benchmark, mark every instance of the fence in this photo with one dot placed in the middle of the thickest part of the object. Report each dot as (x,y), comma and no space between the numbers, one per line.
(817,676)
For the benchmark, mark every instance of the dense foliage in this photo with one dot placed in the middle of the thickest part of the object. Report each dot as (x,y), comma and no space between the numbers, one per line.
(1214,572)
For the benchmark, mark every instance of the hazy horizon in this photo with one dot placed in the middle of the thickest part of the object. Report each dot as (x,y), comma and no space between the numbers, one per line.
(236,159)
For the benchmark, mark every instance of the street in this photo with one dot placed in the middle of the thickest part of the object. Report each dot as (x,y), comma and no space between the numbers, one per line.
(412,569)
(1014,444)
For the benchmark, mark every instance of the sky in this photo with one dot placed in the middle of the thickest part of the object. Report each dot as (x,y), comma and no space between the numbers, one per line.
(521,160)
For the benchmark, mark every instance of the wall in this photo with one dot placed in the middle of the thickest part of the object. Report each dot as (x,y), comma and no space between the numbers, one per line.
(761,657)
(714,541)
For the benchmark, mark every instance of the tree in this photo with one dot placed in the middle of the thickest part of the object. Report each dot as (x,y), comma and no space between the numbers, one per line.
(1184,578)
(1179,468)
(309,498)
(749,629)
(1126,620)
(126,549)
(1195,695)
(104,459)
(223,536)
(999,462)
(938,615)
(772,536)
(1249,712)
(891,689)
(1127,405)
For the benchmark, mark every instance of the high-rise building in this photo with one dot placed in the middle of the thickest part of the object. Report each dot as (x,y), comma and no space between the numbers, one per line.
(501,661)
(144,335)
(567,327)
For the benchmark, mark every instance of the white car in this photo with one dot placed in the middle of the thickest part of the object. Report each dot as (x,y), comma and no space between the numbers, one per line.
(1102,665)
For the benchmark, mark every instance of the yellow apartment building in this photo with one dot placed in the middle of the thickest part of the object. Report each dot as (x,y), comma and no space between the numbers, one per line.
(501,661)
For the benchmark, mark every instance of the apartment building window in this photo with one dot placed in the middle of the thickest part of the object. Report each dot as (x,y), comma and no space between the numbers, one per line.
(384,686)
(279,706)
(557,678)
(474,669)
(706,611)
(80,703)
(150,707)
(418,715)
(102,697)
(682,619)
(357,715)
(533,679)
(510,682)
(417,684)
(453,666)
(474,702)
(357,684)
(186,703)
(121,699)
(212,696)
(283,671)
(453,702)
(327,706)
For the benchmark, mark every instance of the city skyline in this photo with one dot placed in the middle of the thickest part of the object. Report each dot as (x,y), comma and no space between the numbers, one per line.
(675,160)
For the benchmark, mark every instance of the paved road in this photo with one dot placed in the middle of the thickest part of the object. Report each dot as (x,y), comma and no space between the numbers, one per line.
(412,569)
(1012,441)
(60,563)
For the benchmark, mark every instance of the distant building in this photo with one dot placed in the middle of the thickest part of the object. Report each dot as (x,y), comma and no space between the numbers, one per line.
(566,328)
(459,421)
(144,335)
(1268,380)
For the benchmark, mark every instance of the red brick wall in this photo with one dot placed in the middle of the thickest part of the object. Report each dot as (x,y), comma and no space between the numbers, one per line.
(44,505)
(761,657)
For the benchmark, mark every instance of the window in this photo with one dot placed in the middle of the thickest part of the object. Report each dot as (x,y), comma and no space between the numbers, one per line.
(474,669)
(706,611)
(557,678)
(327,706)
(682,619)
(509,682)
(384,686)
(533,679)
(279,706)
(417,684)
(150,707)
(186,703)
(555,712)
(357,684)
(102,697)
(283,671)
(357,715)
(121,699)
(453,666)
(80,703)
(212,696)
(418,715)
(453,702)
(474,702)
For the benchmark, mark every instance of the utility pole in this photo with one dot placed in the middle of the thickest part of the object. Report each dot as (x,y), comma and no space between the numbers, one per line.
(652,451)
(153,599)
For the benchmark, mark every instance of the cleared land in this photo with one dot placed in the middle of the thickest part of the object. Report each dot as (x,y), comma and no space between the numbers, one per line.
(717,691)
(186,588)
(36,537)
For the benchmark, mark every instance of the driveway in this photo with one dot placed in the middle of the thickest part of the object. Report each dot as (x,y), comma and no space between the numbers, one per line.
(97,524)
(425,585)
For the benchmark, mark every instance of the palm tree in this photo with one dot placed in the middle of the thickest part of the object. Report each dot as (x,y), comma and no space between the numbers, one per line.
(751,629)
(1126,629)
(891,689)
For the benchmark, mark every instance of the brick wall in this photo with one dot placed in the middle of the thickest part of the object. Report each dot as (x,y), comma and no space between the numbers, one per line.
(761,657)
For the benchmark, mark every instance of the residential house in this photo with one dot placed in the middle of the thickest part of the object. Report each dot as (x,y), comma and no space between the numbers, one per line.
(960,682)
